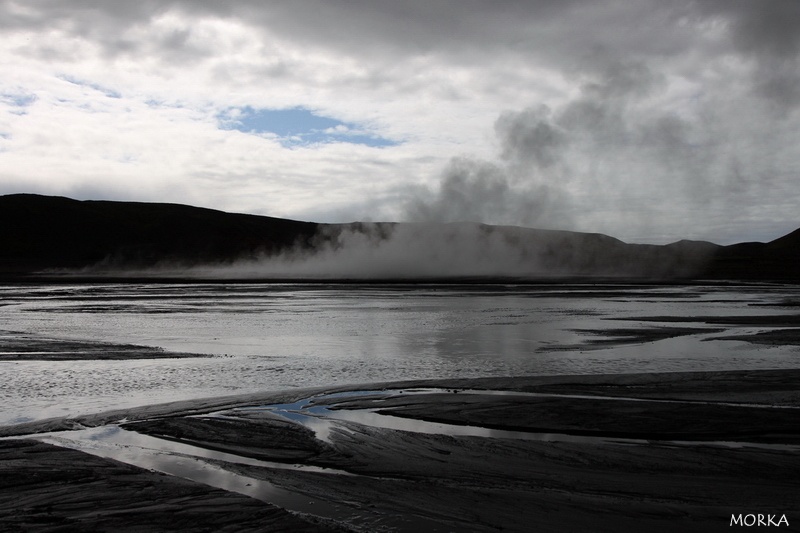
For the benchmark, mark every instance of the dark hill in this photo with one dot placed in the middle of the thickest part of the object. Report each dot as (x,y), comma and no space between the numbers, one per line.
(775,260)
(46,232)
(40,233)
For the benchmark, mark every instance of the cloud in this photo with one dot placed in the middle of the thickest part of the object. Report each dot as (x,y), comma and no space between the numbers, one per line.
(767,33)
(616,159)
(651,119)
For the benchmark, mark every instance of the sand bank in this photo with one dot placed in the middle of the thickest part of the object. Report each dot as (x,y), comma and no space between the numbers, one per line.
(22,346)
(656,452)
(53,489)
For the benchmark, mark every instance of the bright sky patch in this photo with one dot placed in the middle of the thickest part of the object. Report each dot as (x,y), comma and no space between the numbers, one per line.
(299,127)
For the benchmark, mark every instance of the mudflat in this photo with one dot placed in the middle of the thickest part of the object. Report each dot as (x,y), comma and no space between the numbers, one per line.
(54,489)
(21,346)
(656,452)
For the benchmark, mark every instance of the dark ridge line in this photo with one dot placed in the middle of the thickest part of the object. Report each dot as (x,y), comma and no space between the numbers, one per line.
(48,237)
(449,281)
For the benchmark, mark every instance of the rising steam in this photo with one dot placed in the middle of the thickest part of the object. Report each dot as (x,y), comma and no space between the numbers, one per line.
(625,144)
(619,154)
(464,250)
(611,142)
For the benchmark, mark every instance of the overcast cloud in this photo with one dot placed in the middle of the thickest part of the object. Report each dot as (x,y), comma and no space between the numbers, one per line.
(650,121)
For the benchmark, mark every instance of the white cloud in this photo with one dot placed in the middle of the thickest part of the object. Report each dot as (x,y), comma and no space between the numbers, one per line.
(678,119)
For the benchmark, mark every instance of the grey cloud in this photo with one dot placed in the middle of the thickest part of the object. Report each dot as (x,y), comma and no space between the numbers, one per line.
(530,137)
(469,190)
(769,33)
(610,158)
(537,145)
(619,146)
(474,190)
(562,29)
(536,149)
(553,31)
(574,37)
(363,26)
(765,28)
(781,85)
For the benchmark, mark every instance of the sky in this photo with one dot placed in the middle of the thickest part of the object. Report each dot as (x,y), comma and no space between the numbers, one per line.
(648,120)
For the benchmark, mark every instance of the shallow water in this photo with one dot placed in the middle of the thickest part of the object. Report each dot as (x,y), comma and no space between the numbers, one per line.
(213,468)
(276,336)
(322,413)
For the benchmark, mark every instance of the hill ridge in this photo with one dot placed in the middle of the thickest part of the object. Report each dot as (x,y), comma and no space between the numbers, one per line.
(48,233)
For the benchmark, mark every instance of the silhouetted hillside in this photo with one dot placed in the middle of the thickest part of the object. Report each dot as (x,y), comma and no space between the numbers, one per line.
(775,260)
(45,232)
(39,233)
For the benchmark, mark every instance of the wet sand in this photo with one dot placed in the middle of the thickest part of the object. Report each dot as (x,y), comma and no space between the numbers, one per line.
(612,337)
(21,346)
(52,489)
(639,452)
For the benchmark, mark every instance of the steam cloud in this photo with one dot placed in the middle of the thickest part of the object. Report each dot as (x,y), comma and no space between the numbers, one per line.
(616,155)
(382,251)
(397,251)
(550,162)
(524,188)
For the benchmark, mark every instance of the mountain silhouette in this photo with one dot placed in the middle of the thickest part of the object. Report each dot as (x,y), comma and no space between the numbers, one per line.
(45,235)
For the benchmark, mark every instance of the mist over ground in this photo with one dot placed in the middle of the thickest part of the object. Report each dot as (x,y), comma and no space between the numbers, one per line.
(57,236)
(365,251)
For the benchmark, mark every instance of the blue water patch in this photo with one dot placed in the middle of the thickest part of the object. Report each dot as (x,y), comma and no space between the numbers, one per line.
(298,127)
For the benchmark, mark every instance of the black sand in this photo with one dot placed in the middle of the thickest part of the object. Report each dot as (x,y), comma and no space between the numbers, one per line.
(21,346)
(51,489)
(425,482)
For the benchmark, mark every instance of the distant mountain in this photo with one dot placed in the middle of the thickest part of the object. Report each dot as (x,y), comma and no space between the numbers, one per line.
(775,260)
(56,234)
(47,232)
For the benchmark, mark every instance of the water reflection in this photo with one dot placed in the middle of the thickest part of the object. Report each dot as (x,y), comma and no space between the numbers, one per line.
(275,336)
(209,467)
(189,462)
(320,414)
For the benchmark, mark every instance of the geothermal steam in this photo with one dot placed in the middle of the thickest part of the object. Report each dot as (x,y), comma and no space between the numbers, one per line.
(612,153)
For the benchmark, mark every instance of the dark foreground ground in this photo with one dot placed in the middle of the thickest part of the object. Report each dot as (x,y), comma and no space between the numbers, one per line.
(619,458)
(48,488)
